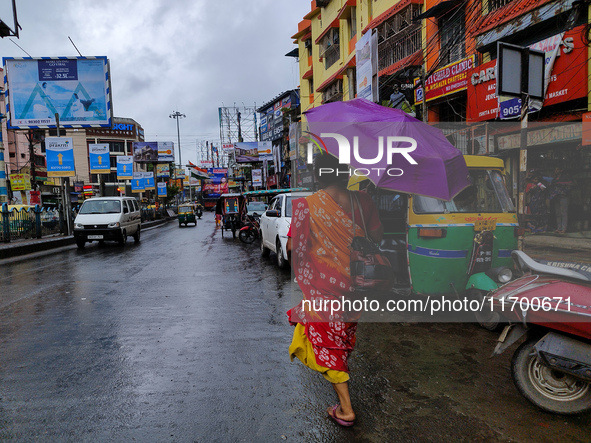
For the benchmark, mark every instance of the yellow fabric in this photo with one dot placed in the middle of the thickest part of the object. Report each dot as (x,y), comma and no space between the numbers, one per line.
(304,351)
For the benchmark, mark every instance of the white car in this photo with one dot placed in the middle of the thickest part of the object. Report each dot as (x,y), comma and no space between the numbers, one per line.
(275,224)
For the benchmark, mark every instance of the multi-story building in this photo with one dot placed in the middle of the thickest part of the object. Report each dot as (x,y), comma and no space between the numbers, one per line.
(120,138)
(437,60)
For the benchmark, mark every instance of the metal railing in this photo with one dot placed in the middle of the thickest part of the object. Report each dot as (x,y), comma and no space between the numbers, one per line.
(399,46)
(34,222)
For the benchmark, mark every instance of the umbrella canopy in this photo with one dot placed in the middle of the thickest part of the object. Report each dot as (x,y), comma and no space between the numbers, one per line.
(380,142)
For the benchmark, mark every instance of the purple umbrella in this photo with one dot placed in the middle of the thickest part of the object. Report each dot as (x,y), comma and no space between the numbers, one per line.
(394,150)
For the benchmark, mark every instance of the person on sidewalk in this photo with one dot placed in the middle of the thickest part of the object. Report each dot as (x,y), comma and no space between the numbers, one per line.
(321,233)
(561,185)
(536,195)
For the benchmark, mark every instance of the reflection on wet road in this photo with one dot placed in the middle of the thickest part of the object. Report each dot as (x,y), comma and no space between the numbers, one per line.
(184,338)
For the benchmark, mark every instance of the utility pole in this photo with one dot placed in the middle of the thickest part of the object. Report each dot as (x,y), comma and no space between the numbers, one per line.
(176,115)
(32,160)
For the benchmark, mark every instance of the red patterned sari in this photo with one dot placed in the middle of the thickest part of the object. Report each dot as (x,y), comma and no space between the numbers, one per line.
(321,233)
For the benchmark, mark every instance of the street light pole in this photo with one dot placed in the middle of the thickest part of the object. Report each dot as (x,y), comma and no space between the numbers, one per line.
(176,115)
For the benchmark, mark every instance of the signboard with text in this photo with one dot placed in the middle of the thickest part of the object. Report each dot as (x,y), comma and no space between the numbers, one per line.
(98,156)
(75,88)
(447,80)
(124,167)
(59,152)
(566,79)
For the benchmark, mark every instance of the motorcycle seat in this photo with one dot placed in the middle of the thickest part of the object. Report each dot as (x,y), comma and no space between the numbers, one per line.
(526,263)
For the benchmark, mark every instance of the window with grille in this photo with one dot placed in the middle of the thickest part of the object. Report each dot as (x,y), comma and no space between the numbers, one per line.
(330,49)
(497,4)
(452,29)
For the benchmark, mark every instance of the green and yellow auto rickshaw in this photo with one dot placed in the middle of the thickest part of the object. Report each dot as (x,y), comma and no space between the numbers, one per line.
(460,247)
(186,214)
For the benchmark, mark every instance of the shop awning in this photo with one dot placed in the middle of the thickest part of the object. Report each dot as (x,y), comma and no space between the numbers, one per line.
(438,10)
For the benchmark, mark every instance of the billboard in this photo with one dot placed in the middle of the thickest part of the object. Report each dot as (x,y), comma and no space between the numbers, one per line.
(247,152)
(76,88)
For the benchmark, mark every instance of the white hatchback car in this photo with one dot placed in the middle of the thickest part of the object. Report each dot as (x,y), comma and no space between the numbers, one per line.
(275,224)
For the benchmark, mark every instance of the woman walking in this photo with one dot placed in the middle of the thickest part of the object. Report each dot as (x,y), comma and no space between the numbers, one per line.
(321,233)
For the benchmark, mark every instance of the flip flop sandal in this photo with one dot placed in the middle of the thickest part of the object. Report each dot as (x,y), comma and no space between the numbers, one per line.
(340,421)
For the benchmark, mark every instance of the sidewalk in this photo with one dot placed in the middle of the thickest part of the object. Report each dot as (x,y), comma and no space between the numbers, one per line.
(17,248)
(576,241)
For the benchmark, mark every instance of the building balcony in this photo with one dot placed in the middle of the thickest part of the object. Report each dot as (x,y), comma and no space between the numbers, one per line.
(399,46)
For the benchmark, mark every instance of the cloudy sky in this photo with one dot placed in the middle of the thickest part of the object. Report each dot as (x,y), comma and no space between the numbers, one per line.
(167,55)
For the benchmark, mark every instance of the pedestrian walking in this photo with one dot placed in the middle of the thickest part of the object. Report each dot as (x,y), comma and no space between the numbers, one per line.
(322,231)
(536,196)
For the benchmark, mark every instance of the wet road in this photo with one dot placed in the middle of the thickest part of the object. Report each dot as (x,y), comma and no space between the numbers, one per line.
(184,338)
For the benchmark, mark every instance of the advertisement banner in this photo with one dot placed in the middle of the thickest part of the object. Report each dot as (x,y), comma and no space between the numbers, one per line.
(149,181)
(75,88)
(162,170)
(145,152)
(207,163)
(257,177)
(247,152)
(137,183)
(98,155)
(364,69)
(20,182)
(444,81)
(218,184)
(162,189)
(124,167)
(165,152)
(59,152)
(228,148)
(179,173)
(265,150)
(34,198)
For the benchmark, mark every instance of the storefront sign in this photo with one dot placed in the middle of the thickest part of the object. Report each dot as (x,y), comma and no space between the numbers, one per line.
(567,79)
(536,137)
(447,80)
(20,182)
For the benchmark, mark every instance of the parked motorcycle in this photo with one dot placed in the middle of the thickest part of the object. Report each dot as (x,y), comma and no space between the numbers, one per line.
(251,229)
(551,306)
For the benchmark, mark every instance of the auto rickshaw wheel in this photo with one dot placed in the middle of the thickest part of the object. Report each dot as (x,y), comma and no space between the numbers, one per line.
(486,318)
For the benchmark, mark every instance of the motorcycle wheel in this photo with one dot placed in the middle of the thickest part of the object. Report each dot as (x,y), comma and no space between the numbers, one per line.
(247,236)
(486,318)
(548,389)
